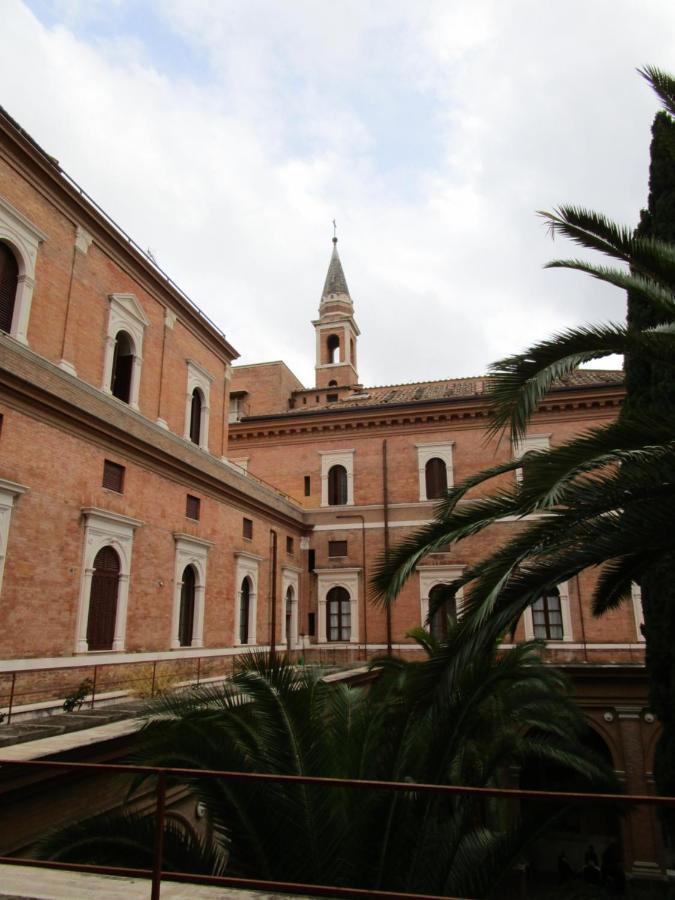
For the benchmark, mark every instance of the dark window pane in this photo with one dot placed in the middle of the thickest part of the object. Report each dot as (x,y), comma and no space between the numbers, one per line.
(439,614)
(436,477)
(187,607)
(196,416)
(307,486)
(123,361)
(338,610)
(247,528)
(244,610)
(337,486)
(290,545)
(9,274)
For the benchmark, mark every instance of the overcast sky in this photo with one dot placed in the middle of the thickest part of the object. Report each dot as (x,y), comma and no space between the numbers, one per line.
(226,135)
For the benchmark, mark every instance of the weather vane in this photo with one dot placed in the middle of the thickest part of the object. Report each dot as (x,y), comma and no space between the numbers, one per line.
(334,230)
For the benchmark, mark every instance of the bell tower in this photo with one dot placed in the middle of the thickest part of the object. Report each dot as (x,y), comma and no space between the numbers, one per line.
(336,330)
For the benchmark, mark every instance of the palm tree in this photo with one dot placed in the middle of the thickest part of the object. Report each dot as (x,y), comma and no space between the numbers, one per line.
(417,723)
(606,498)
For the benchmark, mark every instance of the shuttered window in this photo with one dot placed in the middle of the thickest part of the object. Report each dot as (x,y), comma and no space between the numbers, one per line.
(440,612)
(103,600)
(337,548)
(290,546)
(123,362)
(113,476)
(436,477)
(244,610)
(186,618)
(339,614)
(547,616)
(337,486)
(196,416)
(192,507)
(9,274)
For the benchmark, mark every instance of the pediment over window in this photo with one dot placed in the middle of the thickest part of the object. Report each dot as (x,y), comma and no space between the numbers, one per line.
(128,305)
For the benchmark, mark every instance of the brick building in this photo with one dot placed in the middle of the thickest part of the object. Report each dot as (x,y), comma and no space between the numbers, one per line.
(159,504)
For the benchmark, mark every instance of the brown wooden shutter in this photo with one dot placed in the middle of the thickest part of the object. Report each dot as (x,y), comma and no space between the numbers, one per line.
(113,476)
(337,548)
(337,486)
(103,600)
(186,618)
(9,274)
(192,507)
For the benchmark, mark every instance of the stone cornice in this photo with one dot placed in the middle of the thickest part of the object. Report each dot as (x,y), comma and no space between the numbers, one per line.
(42,390)
(583,402)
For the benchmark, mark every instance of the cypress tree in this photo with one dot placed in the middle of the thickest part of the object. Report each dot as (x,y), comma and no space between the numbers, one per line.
(650,385)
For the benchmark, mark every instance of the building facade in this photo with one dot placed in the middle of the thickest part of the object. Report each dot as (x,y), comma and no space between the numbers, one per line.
(158,504)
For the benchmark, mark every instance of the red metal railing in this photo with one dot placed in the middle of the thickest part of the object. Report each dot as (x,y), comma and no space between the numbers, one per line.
(57,686)
(156,874)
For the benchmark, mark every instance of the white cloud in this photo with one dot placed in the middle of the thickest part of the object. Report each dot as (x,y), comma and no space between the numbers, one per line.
(299,112)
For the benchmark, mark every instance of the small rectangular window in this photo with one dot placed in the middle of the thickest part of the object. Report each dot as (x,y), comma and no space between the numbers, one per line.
(311,624)
(192,507)
(308,485)
(290,545)
(247,528)
(331,398)
(311,560)
(113,476)
(337,548)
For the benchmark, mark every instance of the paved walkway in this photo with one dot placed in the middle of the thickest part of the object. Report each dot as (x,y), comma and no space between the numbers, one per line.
(26,883)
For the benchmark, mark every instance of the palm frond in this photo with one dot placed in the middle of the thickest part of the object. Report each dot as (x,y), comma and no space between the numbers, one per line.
(663,84)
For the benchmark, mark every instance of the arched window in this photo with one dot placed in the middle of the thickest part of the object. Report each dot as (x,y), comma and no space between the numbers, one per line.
(547,616)
(186,619)
(122,367)
(9,276)
(103,600)
(440,614)
(339,614)
(196,416)
(337,486)
(332,383)
(436,477)
(289,616)
(244,610)
(333,347)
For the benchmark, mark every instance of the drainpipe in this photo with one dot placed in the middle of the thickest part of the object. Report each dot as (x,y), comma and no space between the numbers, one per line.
(385,501)
(273,595)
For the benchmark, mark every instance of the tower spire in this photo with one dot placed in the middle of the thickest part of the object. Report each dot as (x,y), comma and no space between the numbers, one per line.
(336,330)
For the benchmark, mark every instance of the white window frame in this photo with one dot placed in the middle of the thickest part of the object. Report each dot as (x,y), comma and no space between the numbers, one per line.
(528,623)
(425,452)
(10,491)
(638,612)
(24,239)
(529,442)
(190,551)
(330,458)
(247,565)
(105,529)
(429,577)
(198,377)
(290,578)
(347,578)
(126,314)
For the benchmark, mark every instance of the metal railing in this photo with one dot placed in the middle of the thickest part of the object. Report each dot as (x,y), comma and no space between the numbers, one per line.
(156,873)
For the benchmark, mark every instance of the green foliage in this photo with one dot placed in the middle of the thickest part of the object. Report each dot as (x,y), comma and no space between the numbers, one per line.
(607,498)
(428,722)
